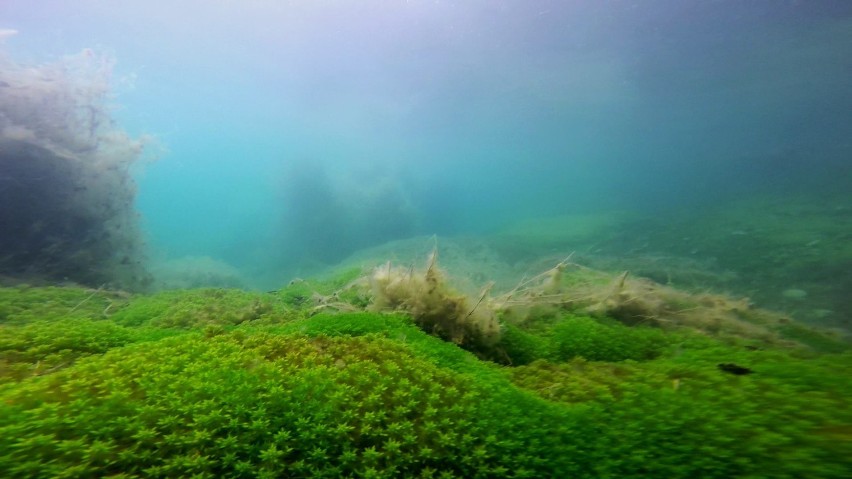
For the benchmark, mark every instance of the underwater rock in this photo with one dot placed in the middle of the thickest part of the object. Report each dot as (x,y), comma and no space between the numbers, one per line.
(66,194)
(734,369)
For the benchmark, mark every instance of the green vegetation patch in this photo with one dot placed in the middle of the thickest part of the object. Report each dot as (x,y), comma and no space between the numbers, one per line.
(262,405)
(401,329)
(592,339)
(222,383)
(22,304)
(684,415)
(569,336)
(201,308)
(42,347)
(307,293)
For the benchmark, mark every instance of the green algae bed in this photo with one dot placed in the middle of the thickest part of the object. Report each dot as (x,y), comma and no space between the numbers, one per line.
(227,383)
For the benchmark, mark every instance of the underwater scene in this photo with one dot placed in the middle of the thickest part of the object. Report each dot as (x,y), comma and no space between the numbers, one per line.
(426,239)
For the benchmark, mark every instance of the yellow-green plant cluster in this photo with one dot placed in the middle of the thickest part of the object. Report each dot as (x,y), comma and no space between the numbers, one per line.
(435,307)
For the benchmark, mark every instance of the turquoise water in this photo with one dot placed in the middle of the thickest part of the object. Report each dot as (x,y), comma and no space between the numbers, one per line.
(289,135)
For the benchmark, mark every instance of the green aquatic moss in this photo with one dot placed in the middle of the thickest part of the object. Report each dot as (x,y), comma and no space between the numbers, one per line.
(22,304)
(594,340)
(267,405)
(518,346)
(194,309)
(222,383)
(820,341)
(683,415)
(44,346)
(303,293)
(398,328)
(565,337)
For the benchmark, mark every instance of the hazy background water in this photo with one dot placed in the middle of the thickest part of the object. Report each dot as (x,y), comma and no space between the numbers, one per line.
(294,133)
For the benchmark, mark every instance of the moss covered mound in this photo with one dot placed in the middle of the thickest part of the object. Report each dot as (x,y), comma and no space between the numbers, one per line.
(221,383)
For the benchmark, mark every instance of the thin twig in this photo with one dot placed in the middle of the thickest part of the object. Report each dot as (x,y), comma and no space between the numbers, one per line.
(87,298)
